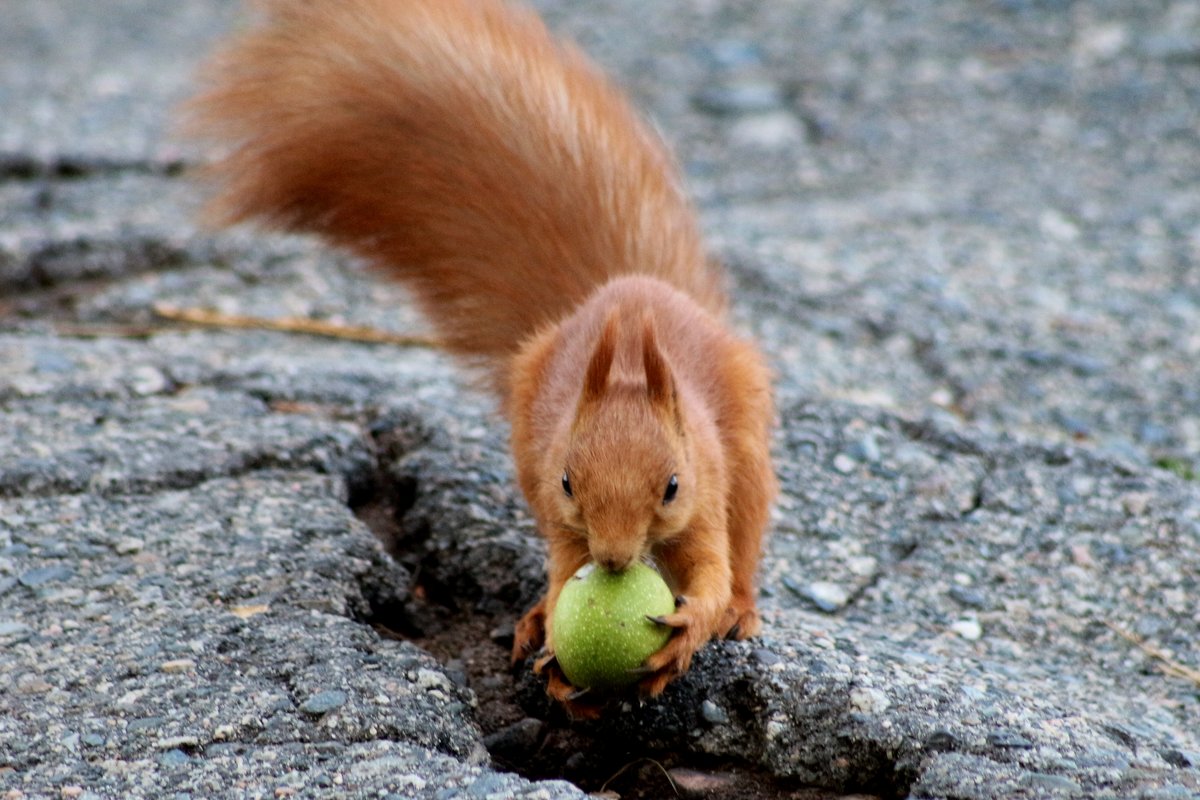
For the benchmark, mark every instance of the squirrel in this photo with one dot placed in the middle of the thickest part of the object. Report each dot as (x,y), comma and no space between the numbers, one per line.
(542,226)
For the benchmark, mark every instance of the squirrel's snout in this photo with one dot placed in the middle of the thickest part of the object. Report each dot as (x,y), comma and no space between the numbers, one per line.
(612,556)
(614,563)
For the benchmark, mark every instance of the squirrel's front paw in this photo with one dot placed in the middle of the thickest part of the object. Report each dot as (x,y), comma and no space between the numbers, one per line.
(692,630)
(578,703)
(530,633)
(741,621)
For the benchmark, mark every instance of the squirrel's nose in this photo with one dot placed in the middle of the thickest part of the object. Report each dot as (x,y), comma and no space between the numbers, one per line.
(614,563)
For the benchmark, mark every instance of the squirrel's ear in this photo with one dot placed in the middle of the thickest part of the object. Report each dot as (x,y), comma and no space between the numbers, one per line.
(595,381)
(660,385)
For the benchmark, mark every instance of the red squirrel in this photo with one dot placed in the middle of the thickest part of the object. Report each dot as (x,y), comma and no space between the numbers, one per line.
(542,227)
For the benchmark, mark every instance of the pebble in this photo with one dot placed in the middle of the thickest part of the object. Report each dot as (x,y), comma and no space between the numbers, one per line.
(968,628)
(503,634)
(517,742)
(32,684)
(826,596)
(866,449)
(968,596)
(772,130)
(129,545)
(177,666)
(867,700)
(733,53)
(1135,503)
(147,380)
(13,628)
(43,575)
(844,463)
(713,713)
(324,702)
(740,97)
(942,740)
(1009,740)
(177,742)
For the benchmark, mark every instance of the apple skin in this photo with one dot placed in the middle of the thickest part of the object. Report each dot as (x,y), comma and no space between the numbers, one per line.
(601,633)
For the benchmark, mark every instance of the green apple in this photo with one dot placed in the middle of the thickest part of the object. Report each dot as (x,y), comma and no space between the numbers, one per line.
(601,633)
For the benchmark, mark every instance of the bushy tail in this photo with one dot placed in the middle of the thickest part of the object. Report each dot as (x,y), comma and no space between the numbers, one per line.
(455,144)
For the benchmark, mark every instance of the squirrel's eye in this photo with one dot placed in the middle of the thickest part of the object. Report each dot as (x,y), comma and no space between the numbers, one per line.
(566,483)
(672,488)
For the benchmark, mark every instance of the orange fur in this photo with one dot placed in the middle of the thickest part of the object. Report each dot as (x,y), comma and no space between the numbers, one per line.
(458,146)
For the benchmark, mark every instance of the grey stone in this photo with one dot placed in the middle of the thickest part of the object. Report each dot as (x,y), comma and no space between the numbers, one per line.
(41,576)
(324,702)
(742,97)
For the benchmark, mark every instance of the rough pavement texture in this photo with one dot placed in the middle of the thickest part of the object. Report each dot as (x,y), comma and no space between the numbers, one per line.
(966,233)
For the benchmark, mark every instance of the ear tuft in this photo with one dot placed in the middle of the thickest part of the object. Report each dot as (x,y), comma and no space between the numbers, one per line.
(595,381)
(660,385)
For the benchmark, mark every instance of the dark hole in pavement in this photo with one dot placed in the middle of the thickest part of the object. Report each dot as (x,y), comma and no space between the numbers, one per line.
(523,730)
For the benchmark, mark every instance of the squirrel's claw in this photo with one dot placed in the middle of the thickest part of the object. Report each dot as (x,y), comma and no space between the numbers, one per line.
(690,633)
(574,701)
(549,661)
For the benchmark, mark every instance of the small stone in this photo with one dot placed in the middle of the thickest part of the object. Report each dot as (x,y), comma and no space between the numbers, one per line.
(844,463)
(1083,485)
(173,758)
(713,713)
(866,449)
(13,628)
(93,740)
(129,545)
(1056,225)
(1009,740)
(177,742)
(516,742)
(503,634)
(968,596)
(1081,555)
(32,684)
(772,130)
(177,666)
(866,700)
(826,596)
(147,380)
(429,679)
(731,53)
(766,657)
(968,628)
(246,612)
(324,702)
(70,792)
(1181,758)
(1135,503)
(742,97)
(43,575)
(941,740)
